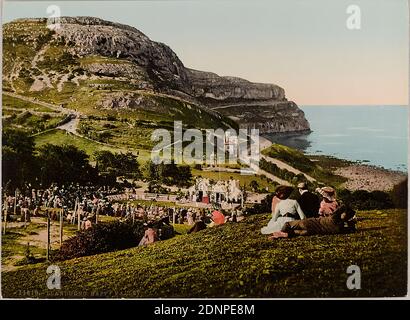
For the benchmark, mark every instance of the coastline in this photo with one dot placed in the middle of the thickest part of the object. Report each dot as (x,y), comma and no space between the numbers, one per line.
(370,178)
(360,176)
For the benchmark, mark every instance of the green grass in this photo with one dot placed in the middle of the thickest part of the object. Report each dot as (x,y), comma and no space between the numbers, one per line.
(33,123)
(329,162)
(302,162)
(119,133)
(60,137)
(12,102)
(14,244)
(182,228)
(235,260)
(6,112)
(12,247)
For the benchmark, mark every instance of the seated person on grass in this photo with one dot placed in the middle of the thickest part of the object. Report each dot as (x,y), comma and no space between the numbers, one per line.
(150,235)
(342,220)
(198,226)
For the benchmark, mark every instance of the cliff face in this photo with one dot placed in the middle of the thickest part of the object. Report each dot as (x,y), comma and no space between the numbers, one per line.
(150,65)
(251,105)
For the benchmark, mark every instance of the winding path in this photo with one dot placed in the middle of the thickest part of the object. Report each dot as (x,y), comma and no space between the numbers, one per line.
(72,125)
(283,165)
(40,103)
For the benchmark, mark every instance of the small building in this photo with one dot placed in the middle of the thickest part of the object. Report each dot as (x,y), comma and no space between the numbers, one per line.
(207,191)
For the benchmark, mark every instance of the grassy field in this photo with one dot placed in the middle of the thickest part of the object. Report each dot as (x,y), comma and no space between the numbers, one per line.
(32,123)
(12,102)
(319,169)
(119,133)
(25,116)
(59,137)
(235,260)
(15,241)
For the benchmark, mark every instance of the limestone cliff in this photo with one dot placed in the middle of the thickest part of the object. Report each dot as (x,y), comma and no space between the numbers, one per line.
(106,49)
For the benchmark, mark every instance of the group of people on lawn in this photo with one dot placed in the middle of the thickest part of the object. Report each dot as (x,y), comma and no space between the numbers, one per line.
(308,214)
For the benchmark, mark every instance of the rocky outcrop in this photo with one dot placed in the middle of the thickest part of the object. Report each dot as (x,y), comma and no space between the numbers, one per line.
(154,66)
(277,118)
(210,86)
(92,36)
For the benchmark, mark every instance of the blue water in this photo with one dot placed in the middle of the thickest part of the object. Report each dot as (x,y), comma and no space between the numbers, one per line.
(377,135)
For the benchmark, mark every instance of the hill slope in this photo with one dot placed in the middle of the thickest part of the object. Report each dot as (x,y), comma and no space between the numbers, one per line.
(100,67)
(235,260)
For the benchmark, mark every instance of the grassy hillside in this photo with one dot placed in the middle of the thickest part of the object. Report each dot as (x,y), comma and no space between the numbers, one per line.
(60,137)
(34,54)
(235,260)
(303,163)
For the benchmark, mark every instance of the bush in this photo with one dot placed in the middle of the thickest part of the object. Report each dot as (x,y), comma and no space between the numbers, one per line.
(365,200)
(399,194)
(107,237)
(264,207)
(111,118)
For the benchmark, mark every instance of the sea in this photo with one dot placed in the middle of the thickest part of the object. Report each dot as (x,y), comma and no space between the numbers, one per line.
(375,135)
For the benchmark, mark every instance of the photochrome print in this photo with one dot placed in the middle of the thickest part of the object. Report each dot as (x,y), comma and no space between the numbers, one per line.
(204,149)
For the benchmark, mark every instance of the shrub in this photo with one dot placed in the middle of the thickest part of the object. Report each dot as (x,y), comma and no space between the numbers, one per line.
(264,207)
(399,194)
(111,118)
(365,200)
(107,237)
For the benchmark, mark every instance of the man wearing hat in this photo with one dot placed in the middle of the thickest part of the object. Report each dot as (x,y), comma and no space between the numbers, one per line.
(308,201)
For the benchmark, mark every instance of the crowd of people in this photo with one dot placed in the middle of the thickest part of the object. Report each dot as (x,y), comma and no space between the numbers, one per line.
(87,203)
(308,214)
(87,199)
(316,212)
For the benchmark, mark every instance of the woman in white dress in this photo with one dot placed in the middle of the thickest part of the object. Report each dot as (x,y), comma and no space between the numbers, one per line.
(285,210)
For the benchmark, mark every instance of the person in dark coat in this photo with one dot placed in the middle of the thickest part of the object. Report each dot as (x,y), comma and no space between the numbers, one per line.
(198,226)
(308,201)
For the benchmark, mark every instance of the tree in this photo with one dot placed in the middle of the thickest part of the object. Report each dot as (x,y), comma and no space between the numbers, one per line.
(168,174)
(105,161)
(400,193)
(18,162)
(64,164)
(118,164)
(184,176)
(127,164)
(254,185)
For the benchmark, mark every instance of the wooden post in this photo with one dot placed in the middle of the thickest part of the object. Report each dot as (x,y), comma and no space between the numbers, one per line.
(15,201)
(79,219)
(24,216)
(48,238)
(75,211)
(97,213)
(5,204)
(61,226)
(5,220)
(173,216)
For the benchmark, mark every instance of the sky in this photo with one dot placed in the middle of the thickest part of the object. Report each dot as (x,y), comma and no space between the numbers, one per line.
(303,46)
